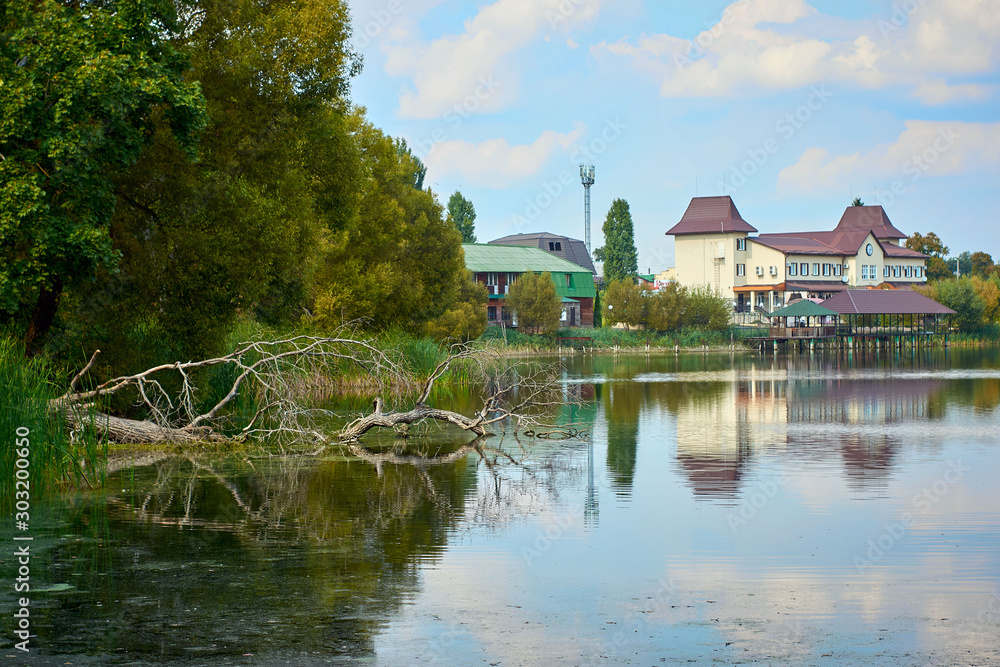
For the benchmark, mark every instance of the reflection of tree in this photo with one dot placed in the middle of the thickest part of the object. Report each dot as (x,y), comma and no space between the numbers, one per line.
(622,403)
(273,557)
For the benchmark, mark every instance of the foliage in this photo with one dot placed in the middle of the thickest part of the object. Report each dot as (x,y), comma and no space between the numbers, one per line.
(419,168)
(621,261)
(401,263)
(666,307)
(598,254)
(54,459)
(626,304)
(533,298)
(465,320)
(960,295)
(930,244)
(937,269)
(857,202)
(675,307)
(462,214)
(706,309)
(598,313)
(982,264)
(84,86)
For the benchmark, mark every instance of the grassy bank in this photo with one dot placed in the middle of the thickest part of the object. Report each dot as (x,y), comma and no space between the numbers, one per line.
(55,458)
(606,338)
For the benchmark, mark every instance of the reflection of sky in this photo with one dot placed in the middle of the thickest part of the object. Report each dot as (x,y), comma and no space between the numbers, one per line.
(772,500)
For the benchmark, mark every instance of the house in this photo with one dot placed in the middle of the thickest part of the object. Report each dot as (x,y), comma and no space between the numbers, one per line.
(714,247)
(572,250)
(498,266)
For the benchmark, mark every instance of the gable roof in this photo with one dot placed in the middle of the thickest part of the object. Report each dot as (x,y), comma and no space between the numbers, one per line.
(884,302)
(803,308)
(485,257)
(711,215)
(867,218)
(573,250)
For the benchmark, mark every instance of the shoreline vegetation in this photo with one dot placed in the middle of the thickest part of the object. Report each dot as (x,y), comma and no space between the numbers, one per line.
(64,457)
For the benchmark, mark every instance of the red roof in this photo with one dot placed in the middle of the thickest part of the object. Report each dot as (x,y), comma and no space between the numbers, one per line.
(865,218)
(711,215)
(884,302)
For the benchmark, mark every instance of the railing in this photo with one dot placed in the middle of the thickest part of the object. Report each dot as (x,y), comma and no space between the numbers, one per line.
(804,332)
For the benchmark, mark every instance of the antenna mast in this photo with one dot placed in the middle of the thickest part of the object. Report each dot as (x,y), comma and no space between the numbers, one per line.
(587,178)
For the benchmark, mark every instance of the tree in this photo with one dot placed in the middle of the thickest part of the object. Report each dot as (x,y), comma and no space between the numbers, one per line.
(598,255)
(463,215)
(533,298)
(84,84)
(465,319)
(419,168)
(621,261)
(241,232)
(665,311)
(938,269)
(959,295)
(706,309)
(929,245)
(857,202)
(982,264)
(964,263)
(598,314)
(626,303)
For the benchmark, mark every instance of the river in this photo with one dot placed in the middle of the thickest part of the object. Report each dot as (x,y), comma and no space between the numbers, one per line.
(807,509)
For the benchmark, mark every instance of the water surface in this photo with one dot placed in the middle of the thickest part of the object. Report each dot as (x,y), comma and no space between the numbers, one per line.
(806,509)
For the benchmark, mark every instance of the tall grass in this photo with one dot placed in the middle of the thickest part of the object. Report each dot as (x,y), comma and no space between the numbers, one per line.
(56,458)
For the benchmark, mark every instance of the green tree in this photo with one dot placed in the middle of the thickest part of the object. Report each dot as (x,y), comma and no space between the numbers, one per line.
(982,264)
(465,319)
(598,314)
(400,262)
(462,214)
(238,232)
(626,303)
(83,86)
(857,202)
(620,261)
(959,295)
(665,311)
(706,309)
(533,298)
(929,245)
(419,168)
(938,269)
(598,254)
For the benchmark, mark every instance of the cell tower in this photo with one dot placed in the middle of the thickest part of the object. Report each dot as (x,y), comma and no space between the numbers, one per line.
(587,178)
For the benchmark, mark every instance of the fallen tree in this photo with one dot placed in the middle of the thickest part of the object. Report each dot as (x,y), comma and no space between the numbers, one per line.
(281,376)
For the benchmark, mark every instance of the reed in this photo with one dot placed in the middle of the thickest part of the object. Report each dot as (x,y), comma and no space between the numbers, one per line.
(56,458)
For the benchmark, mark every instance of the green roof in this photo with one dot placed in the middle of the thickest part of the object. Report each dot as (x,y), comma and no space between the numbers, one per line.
(648,277)
(480,257)
(804,308)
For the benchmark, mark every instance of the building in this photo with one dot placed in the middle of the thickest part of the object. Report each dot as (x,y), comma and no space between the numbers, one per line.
(572,250)
(498,266)
(714,247)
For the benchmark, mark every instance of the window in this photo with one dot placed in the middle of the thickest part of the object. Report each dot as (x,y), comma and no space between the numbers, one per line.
(895,271)
(567,280)
(552,246)
(792,269)
(741,244)
(491,278)
(804,269)
(838,269)
(885,271)
(864,272)
(827,269)
(918,272)
(816,268)
(909,272)
(741,269)
(504,313)
(558,245)
(491,314)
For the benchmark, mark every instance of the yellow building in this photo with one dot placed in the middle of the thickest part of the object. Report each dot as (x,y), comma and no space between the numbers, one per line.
(713,246)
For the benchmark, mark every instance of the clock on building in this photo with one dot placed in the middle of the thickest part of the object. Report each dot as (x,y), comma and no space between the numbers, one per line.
(869,249)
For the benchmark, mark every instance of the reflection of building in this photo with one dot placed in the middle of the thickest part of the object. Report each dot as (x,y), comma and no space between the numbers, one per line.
(719,432)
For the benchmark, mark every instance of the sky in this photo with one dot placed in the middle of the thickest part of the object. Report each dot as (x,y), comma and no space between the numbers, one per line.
(791,107)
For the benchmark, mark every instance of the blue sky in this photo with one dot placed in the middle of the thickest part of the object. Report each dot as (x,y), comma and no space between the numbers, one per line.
(791,107)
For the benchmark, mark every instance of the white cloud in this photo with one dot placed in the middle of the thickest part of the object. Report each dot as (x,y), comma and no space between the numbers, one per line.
(759,43)
(495,163)
(924,148)
(447,70)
